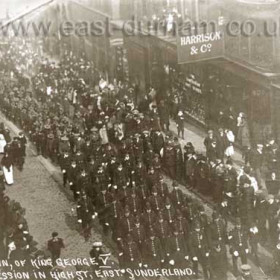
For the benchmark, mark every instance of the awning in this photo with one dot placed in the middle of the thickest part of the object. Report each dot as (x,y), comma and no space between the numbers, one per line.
(245,71)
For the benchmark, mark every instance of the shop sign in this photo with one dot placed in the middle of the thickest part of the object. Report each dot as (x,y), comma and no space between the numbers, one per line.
(201,46)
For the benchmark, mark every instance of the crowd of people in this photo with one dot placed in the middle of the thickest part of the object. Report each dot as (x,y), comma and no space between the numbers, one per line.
(16,242)
(114,155)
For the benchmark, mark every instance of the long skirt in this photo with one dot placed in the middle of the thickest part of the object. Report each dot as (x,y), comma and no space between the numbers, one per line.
(8,175)
(2,146)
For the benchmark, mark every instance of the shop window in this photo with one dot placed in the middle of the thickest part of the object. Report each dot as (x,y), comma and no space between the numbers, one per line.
(260,105)
(188,92)
(121,64)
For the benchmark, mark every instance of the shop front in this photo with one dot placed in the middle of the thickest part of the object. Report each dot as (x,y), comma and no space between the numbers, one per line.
(208,91)
(138,61)
(236,88)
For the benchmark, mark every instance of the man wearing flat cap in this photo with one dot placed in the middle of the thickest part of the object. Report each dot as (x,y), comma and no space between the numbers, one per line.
(222,143)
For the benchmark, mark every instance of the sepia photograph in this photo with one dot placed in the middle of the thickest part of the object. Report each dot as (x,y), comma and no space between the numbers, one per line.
(139,139)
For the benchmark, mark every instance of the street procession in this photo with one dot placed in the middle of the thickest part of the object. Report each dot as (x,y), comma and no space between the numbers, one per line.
(135,144)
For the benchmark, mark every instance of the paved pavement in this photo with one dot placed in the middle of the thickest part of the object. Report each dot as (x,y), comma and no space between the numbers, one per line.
(196,136)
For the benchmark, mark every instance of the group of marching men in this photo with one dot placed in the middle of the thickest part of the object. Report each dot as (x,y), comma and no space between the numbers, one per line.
(113,157)
(154,225)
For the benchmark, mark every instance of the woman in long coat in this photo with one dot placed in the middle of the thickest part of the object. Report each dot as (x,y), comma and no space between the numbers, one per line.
(7,167)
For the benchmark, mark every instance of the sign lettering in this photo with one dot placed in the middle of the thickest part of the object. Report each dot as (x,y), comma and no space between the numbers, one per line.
(199,47)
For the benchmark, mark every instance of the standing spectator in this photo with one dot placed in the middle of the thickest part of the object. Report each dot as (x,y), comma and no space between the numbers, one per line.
(243,135)
(213,153)
(180,123)
(54,246)
(163,116)
(209,139)
(222,143)
(272,183)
